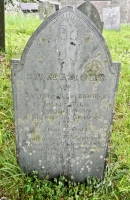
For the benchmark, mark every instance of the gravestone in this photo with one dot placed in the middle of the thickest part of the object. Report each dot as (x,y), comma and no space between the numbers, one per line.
(46,9)
(74,3)
(31,7)
(2,26)
(111,18)
(64,92)
(91,12)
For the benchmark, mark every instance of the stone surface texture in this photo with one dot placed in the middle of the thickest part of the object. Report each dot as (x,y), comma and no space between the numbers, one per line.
(91,12)
(46,9)
(2,26)
(64,92)
(111,18)
(74,3)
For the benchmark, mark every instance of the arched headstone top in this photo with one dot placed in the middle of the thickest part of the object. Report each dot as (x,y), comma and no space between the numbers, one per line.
(92,13)
(67,16)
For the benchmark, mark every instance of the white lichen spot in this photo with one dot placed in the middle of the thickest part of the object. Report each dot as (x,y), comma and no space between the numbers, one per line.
(42,39)
(29,135)
(51,118)
(100,131)
(43,167)
(94,148)
(93,128)
(25,150)
(40,162)
(91,162)
(28,143)
(35,122)
(87,38)
(60,112)
(96,135)
(99,54)
(101,157)
(43,121)
(101,119)
(95,87)
(29,116)
(36,136)
(89,169)
(25,121)
(105,62)
(21,83)
(105,128)
(105,104)
(26,128)
(89,124)
(30,154)
(105,121)
(45,91)
(77,163)
(88,156)
(87,133)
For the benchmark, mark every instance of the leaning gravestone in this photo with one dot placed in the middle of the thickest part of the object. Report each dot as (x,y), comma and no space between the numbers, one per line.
(111,18)
(2,26)
(91,12)
(46,9)
(64,90)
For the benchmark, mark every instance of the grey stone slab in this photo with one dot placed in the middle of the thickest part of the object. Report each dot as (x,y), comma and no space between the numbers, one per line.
(64,90)
(46,9)
(74,3)
(2,26)
(29,6)
(91,12)
(111,18)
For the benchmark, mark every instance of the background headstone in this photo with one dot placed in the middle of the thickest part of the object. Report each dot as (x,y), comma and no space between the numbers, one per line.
(74,3)
(46,9)
(123,4)
(31,7)
(91,12)
(64,91)
(111,18)
(2,26)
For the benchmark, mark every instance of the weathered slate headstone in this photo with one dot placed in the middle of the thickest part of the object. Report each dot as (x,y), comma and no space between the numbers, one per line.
(46,9)
(91,12)
(2,26)
(64,91)
(111,18)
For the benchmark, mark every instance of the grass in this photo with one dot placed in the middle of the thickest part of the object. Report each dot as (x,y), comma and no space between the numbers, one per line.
(14,184)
